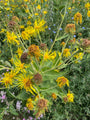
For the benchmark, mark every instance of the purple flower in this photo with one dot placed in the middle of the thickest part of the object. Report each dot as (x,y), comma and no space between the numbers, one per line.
(3,97)
(60,29)
(25,108)
(28,111)
(49,28)
(72,18)
(83,27)
(31,118)
(7,70)
(74,36)
(18,105)
(41,116)
(24,119)
(51,40)
(54,25)
(66,12)
(38,118)
(54,31)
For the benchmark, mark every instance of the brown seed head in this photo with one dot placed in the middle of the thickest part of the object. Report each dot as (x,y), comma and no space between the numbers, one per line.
(86,43)
(65,99)
(37,78)
(11,25)
(24,57)
(70,28)
(42,104)
(43,46)
(34,50)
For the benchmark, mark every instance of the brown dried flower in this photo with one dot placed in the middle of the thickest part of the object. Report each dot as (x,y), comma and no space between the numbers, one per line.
(86,43)
(37,78)
(42,104)
(12,25)
(34,50)
(70,28)
(24,57)
(43,46)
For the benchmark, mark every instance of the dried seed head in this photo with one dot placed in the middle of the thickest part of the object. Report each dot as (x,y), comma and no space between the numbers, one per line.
(34,50)
(65,99)
(15,18)
(37,78)
(43,46)
(86,43)
(24,57)
(12,25)
(42,104)
(70,28)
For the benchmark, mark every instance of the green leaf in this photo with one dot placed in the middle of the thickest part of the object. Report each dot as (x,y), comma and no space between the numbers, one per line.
(2,111)
(22,95)
(12,110)
(51,75)
(7,63)
(60,38)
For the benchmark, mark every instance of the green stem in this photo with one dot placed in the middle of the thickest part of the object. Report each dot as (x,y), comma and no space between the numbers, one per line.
(21,42)
(39,37)
(58,30)
(49,88)
(33,67)
(11,51)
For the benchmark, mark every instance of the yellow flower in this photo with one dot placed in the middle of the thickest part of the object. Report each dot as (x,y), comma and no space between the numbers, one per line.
(29,31)
(8,78)
(70,96)
(24,81)
(19,66)
(29,104)
(88,13)
(11,60)
(53,55)
(25,0)
(69,8)
(7,8)
(62,43)
(45,12)
(25,35)
(41,1)
(78,18)
(19,51)
(22,26)
(39,25)
(54,96)
(36,14)
(39,7)
(79,56)
(87,5)
(62,81)
(2,31)
(46,55)
(11,38)
(66,52)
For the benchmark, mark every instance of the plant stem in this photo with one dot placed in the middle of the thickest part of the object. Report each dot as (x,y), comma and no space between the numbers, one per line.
(58,30)
(49,88)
